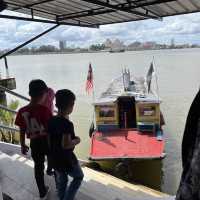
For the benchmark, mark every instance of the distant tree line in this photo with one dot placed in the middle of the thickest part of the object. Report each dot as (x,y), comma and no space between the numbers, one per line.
(41,49)
(99,47)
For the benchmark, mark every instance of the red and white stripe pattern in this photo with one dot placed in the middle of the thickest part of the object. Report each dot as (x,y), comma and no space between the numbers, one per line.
(89,82)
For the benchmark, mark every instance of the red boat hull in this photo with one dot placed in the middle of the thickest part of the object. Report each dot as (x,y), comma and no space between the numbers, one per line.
(127,143)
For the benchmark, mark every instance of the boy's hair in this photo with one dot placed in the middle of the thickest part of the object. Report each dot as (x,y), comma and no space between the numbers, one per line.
(37,88)
(64,98)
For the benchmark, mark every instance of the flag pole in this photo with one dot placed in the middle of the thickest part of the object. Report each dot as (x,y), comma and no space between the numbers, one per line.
(157,88)
(90,78)
(93,99)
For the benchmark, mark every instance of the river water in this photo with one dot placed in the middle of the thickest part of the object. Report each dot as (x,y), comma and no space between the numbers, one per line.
(178,79)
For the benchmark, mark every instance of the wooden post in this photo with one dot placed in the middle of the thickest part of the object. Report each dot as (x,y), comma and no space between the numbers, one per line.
(1,195)
(125,124)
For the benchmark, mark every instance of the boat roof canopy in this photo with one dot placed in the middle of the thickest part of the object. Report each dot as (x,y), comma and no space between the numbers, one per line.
(110,100)
(93,13)
(105,101)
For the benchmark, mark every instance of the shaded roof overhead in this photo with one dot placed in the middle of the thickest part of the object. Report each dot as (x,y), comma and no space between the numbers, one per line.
(92,13)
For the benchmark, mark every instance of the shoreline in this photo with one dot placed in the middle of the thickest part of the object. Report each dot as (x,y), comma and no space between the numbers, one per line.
(105,51)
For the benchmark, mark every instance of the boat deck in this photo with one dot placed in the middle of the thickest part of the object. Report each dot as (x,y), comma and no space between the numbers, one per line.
(126,144)
(16,179)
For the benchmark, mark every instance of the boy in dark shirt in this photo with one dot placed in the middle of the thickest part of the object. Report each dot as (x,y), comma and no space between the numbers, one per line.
(62,141)
(32,120)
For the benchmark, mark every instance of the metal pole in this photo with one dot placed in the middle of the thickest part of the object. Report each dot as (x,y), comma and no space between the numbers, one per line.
(121,8)
(157,88)
(30,19)
(7,109)
(29,41)
(6,65)
(9,128)
(33,4)
(93,98)
(17,95)
(48,21)
(125,125)
(125,120)
(13,93)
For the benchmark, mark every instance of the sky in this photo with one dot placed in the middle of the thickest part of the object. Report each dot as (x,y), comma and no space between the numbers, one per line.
(182,28)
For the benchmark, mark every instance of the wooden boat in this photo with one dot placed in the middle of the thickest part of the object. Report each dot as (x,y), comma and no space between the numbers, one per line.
(128,121)
(117,50)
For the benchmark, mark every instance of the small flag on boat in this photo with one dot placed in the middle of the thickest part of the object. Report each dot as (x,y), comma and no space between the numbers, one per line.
(89,82)
(149,76)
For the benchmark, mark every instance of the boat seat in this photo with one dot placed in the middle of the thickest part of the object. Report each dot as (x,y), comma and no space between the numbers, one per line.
(107,127)
(146,126)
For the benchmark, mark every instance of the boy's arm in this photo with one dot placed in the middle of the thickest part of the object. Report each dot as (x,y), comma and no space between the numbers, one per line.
(22,137)
(68,143)
(19,121)
(24,147)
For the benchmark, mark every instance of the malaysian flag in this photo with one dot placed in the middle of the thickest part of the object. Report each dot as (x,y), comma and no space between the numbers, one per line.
(89,82)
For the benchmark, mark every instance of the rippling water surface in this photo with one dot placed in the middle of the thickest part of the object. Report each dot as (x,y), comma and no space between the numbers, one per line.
(178,77)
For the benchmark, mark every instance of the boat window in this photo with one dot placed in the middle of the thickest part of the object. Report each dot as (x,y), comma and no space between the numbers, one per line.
(106,111)
(147,110)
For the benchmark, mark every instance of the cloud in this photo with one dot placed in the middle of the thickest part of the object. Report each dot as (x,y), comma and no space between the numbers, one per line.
(180,26)
(114,30)
(73,34)
(184,29)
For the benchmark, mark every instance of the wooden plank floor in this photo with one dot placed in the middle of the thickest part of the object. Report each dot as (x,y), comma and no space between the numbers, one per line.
(17,180)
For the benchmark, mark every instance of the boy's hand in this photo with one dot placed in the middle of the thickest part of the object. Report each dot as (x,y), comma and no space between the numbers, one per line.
(24,149)
(78,139)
